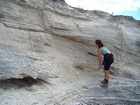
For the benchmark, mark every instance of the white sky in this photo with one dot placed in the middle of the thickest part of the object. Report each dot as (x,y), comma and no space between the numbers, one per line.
(109,6)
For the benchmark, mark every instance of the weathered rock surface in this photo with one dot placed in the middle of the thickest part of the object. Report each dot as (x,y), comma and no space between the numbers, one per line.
(50,41)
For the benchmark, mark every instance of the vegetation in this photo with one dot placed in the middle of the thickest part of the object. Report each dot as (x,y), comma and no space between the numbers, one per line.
(80,9)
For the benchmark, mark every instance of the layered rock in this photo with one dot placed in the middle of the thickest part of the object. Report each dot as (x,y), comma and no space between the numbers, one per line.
(47,40)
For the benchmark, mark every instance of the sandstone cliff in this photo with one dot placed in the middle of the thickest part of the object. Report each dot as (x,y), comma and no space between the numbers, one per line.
(53,42)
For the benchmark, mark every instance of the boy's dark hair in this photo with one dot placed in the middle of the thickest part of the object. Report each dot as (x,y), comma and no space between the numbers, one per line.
(99,42)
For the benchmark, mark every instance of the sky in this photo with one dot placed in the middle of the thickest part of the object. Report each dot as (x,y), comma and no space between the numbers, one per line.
(117,7)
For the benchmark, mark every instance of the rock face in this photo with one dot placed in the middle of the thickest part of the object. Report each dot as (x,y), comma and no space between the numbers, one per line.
(51,41)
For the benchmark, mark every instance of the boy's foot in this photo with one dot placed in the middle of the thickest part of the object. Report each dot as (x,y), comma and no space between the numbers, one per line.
(104,85)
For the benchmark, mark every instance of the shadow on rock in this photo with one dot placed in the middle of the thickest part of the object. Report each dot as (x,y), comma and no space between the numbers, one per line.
(19,83)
